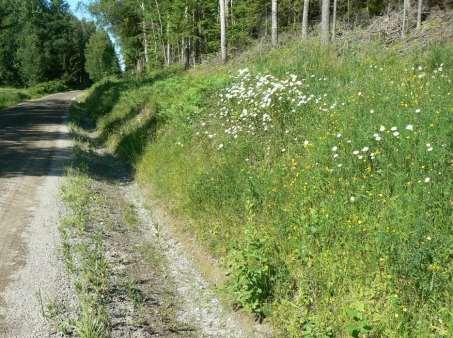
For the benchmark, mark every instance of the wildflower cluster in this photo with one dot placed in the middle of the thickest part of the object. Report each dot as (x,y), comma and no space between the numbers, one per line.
(259,104)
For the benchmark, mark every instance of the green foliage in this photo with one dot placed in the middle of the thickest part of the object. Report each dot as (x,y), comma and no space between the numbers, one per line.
(41,41)
(253,273)
(84,258)
(101,59)
(30,58)
(333,215)
(11,96)
(48,88)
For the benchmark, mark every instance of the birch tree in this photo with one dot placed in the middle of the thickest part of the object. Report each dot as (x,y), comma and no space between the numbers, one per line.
(274,23)
(325,14)
(305,19)
(223,40)
(419,14)
(334,19)
(406,7)
(144,32)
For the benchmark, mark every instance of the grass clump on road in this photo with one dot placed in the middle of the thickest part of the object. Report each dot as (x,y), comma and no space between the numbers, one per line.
(84,257)
(319,176)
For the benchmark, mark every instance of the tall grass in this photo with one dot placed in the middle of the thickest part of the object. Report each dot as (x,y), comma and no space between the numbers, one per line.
(322,180)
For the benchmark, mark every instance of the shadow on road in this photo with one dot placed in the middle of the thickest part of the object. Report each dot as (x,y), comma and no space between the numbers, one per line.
(30,137)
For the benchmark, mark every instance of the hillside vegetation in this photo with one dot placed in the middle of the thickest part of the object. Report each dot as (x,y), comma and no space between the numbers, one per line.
(320,178)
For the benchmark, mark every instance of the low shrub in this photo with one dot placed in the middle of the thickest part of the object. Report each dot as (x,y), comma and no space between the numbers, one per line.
(48,88)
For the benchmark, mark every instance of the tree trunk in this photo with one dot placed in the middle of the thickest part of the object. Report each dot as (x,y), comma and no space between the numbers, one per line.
(168,42)
(168,53)
(145,37)
(406,7)
(325,14)
(227,12)
(305,19)
(223,40)
(155,38)
(274,23)
(334,19)
(349,14)
(419,14)
(161,31)
(186,43)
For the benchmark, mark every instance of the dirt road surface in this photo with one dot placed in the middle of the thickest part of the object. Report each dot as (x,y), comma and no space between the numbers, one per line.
(34,146)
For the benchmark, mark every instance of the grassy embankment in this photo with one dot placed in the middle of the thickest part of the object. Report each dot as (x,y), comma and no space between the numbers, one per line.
(320,177)
(12,96)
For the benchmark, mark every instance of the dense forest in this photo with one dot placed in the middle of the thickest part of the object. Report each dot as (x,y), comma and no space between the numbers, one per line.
(155,32)
(43,41)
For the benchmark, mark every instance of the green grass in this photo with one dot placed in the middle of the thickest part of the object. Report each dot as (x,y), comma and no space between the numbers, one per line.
(84,256)
(12,96)
(326,228)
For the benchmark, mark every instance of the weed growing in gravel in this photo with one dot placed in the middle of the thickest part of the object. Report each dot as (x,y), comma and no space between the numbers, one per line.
(84,257)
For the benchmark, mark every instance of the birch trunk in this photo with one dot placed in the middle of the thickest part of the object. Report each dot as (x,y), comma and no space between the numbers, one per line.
(168,42)
(145,37)
(419,14)
(223,40)
(227,12)
(274,23)
(305,19)
(334,19)
(406,7)
(325,14)
(161,31)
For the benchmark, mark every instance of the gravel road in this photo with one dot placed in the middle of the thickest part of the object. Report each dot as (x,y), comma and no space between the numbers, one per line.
(34,146)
